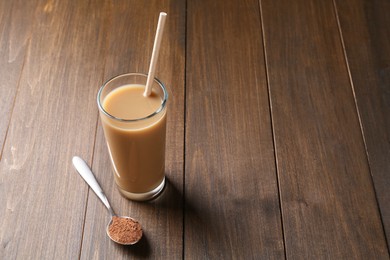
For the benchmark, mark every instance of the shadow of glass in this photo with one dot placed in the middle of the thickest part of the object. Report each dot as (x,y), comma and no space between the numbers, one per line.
(171,200)
(171,197)
(191,210)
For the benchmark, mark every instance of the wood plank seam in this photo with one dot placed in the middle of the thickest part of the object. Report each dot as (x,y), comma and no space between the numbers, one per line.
(323,148)
(88,191)
(272,124)
(106,47)
(359,117)
(184,129)
(16,94)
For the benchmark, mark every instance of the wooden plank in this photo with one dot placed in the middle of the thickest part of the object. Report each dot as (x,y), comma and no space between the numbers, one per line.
(366,34)
(15,30)
(131,33)
(42,199)
(327,198)
(231,194)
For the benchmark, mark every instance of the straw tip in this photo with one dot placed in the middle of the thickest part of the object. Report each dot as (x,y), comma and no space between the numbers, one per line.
(146,94)
(163,14)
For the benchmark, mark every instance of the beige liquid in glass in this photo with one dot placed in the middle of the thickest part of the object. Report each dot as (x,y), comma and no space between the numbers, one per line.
(137,149)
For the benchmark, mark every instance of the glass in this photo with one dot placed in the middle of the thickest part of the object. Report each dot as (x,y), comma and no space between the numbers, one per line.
(136,145)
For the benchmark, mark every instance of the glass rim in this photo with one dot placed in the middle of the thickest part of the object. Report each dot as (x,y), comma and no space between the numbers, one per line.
(156,80)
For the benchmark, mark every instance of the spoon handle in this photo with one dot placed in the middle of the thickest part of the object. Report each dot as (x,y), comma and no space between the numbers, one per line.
(85,172)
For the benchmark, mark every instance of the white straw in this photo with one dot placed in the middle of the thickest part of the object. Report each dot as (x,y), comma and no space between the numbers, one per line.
(156,49)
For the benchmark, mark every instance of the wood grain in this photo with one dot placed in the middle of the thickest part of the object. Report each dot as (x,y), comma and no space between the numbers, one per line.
(42,199)
(328,202)
(129,45)
(15,30)
(278,128)
(231,195)
(366,34)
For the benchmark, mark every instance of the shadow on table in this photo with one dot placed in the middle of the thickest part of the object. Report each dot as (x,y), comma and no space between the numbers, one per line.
(197,213)
(171,199)
(141,249)
(204,227)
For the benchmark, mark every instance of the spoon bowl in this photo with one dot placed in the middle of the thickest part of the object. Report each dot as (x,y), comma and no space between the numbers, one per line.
(124,230)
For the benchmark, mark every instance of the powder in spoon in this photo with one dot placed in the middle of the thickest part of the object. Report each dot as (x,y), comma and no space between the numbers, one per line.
(124,230)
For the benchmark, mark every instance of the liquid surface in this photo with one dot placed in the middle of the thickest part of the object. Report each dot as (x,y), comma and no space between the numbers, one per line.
(128,102)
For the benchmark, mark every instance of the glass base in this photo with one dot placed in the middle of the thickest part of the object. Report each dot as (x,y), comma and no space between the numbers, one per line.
(143,196)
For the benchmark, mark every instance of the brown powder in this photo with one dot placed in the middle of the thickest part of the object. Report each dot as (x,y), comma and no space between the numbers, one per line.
(124,230)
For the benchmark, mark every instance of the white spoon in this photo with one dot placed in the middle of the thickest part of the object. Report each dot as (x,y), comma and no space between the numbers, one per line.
(125,230)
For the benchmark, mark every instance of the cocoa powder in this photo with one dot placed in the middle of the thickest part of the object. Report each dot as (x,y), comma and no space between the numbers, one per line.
(124,230)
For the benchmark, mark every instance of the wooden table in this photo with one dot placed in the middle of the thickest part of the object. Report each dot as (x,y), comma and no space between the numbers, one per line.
(278,133)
